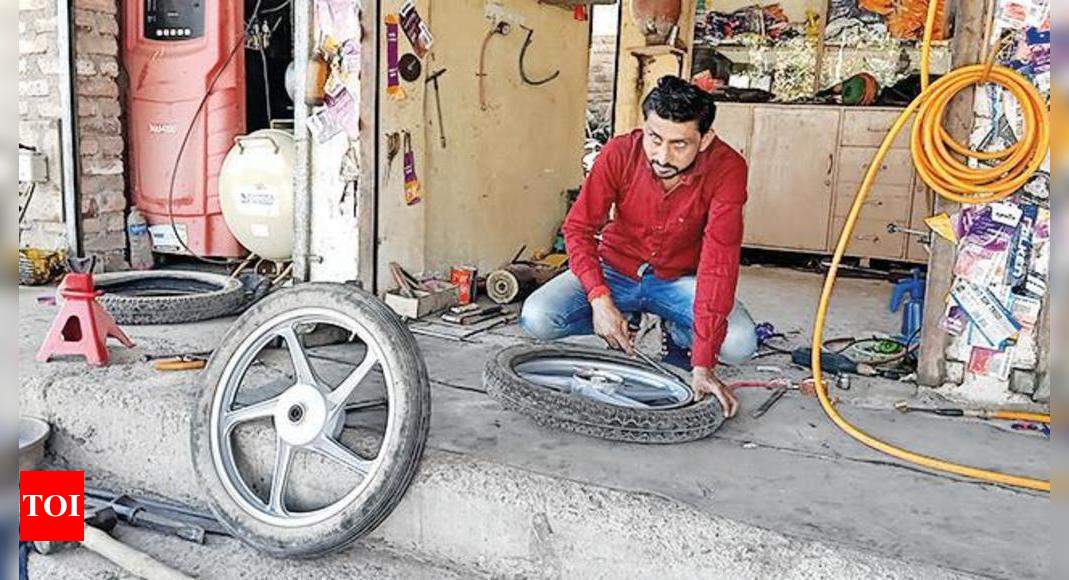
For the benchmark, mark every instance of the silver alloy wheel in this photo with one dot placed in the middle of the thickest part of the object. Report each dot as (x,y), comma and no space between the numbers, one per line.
(308,415)
(608,381)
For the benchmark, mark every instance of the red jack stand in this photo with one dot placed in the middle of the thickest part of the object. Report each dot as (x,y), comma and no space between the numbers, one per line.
(82,326)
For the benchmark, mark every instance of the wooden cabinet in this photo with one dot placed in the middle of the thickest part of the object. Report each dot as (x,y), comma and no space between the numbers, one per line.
(806,167)
(734,125)
(889,201)
(792,168)
(868,127)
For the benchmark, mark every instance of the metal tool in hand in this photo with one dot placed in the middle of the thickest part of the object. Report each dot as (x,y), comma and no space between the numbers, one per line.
(660,367)
(647,358)
(433,78)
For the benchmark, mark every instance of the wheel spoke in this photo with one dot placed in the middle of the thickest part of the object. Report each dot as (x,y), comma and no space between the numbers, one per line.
(283,457)
(332,449)
(301,366)
(247,413)
(338,396)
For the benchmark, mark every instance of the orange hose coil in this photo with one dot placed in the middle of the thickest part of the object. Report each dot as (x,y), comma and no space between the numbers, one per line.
(933,151)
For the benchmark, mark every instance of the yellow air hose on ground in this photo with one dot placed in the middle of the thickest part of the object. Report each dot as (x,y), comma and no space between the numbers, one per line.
(934,153)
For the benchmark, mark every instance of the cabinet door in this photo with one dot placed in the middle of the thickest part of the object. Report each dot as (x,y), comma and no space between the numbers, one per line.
(734,123)
(870,239)
(792,164)
(889,201)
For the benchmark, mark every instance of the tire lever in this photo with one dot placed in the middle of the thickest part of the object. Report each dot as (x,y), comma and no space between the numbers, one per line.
(659,367)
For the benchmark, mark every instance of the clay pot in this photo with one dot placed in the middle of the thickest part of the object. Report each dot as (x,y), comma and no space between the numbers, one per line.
(656,18)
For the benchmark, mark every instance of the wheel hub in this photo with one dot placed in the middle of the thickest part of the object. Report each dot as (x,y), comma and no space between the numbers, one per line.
(612,381)
(301,414)
(598,379)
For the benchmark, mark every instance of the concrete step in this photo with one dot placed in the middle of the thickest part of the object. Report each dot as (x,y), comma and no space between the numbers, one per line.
(225,558)
(466,513)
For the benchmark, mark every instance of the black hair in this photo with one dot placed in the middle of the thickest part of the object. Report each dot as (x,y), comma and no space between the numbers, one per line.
(677,100)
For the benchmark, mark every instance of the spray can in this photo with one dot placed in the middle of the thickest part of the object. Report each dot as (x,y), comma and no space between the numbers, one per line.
(140,241)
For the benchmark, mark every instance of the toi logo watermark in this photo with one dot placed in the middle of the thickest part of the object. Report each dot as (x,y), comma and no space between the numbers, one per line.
(51,506)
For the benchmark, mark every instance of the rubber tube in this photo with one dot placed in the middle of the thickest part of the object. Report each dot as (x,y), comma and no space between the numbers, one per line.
(933,151)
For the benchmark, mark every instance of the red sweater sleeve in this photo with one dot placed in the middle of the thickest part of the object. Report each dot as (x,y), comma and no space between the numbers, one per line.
(718,268)
(589,214)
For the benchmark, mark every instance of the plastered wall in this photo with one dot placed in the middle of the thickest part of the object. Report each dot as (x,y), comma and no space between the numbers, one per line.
(499,182)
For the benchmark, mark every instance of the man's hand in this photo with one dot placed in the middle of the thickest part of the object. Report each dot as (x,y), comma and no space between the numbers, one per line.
(705,383)
(611,325)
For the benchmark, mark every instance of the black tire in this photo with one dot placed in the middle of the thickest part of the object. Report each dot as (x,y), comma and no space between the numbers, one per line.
(582,415)
(169,296)
(389,483)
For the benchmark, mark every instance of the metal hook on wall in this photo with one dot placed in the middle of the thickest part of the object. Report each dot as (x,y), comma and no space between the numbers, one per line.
(523,55)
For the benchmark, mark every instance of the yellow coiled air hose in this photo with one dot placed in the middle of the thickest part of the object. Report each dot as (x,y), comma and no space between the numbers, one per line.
(934,153)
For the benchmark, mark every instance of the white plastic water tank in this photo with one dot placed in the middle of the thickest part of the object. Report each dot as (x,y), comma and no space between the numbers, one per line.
(256,192)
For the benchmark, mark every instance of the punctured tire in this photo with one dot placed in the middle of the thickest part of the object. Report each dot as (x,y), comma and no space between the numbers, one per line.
(586,416)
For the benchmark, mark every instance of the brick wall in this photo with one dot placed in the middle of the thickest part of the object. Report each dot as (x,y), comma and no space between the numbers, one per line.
(100,125)
(602,69)
(39,111)
(102,145)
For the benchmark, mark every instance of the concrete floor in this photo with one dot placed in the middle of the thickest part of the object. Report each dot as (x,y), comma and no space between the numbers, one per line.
(790,472)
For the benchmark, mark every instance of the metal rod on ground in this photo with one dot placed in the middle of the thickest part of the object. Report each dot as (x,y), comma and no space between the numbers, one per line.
(769,402)
(987,414)
(441,335)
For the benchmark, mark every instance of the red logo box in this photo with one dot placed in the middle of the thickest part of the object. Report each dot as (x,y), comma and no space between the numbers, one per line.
(51,506)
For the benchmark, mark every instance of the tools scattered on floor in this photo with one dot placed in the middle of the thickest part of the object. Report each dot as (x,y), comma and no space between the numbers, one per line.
(415,299)
(834,363)
(99,522)
(472,313)
(164,517)
(185,361)
(769,402)
(986,414)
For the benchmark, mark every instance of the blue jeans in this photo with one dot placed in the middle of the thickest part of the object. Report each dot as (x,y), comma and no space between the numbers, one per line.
(560,308)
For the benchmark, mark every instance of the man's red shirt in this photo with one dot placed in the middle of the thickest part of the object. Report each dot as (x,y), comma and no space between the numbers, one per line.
(696,228)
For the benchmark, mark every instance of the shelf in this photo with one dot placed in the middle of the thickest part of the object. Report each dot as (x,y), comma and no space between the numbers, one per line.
(836,45)
(570,4)
(656,50)
(916,43)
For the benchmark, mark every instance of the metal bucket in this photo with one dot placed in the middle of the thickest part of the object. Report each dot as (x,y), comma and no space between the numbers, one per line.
(33,433)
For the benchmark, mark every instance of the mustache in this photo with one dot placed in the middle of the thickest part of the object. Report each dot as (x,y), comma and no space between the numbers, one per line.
(656,165)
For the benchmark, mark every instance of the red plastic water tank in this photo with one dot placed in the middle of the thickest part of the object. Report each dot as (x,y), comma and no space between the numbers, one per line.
(173,50)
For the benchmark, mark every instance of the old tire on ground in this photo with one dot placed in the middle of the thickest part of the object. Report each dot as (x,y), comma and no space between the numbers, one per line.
(586,416)
(168,296)
(384,483)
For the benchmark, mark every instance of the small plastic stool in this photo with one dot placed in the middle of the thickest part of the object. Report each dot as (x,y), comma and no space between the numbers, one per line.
(82,326)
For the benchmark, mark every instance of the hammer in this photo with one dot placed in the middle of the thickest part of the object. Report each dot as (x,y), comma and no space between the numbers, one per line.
(98,522)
